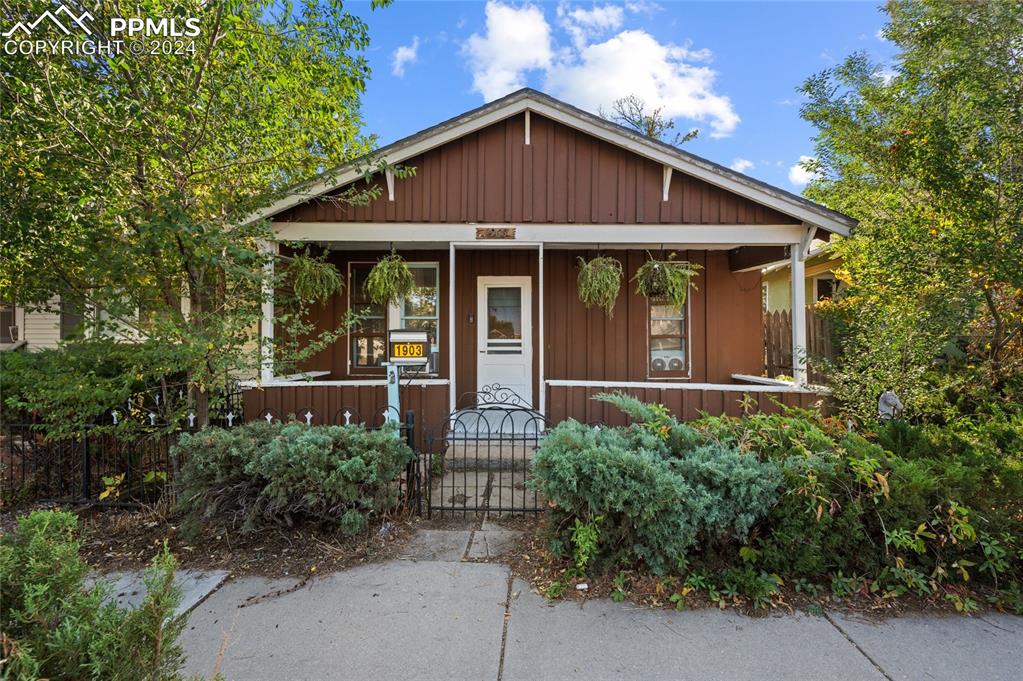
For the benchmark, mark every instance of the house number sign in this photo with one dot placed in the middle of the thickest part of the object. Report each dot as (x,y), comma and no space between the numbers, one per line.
(408,347)
(495,232)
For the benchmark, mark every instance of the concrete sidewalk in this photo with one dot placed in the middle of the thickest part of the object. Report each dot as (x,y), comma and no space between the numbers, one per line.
(447,619)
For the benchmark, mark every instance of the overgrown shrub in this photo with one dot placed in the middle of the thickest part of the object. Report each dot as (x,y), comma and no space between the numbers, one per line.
(260,474)
(907,508)
(54,627)
(912,506)
(66,388)
(655,502)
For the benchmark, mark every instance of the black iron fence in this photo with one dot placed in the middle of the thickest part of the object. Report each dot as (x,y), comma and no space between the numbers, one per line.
(479,460)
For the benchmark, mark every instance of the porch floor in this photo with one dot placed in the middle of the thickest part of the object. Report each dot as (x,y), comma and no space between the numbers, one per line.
(496,492)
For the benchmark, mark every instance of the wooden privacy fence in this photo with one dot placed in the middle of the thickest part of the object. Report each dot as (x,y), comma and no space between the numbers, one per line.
(778,343)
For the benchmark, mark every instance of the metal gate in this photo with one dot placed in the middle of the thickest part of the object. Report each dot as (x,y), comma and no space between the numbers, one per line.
(478,460)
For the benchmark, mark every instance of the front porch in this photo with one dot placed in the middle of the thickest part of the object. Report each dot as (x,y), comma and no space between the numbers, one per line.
(507,313)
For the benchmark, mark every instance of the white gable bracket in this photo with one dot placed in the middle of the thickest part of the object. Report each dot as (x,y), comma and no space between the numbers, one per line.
(667,183)
(389,175)
(806,241)
(527,127)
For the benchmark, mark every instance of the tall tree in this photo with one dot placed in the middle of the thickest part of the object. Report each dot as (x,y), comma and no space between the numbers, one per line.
(928,153)
(130,178)
(632,112)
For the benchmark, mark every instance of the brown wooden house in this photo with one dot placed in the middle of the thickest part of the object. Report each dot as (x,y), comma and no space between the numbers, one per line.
(504,200)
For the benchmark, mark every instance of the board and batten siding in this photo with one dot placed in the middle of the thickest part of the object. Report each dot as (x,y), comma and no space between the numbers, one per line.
(562,176)
(725,334)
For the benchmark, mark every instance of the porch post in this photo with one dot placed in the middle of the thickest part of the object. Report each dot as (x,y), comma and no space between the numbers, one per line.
(266,326)
(542,337)
(451,329)
(798,281)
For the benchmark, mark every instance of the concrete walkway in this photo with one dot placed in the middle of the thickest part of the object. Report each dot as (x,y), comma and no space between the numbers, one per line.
(433,615)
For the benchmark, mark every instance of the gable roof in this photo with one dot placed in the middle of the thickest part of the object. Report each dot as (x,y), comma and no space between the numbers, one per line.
(527,99)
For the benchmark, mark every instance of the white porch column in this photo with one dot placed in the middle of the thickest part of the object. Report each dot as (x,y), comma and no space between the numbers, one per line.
(540,376)
(452,392)
(266,326)
(798,280)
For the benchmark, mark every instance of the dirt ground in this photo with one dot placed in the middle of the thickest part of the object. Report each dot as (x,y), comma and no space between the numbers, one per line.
(117,540)
(123,539)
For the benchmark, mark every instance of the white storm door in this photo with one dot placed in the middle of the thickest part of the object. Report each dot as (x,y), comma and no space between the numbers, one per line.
(505,334)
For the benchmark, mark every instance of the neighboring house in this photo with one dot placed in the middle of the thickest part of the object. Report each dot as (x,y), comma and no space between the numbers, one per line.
(820,279)
(37,329)
(504,200)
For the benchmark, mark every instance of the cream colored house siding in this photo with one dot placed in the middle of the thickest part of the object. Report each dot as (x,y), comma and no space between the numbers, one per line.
(41,328)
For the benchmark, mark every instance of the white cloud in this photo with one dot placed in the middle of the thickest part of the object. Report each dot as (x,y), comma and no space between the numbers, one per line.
(643,7)
(597,64)
(583,25)
(662,75)
(879,34)
(886,74)
(742,165)
(516,40)
(403,56)
(799,175)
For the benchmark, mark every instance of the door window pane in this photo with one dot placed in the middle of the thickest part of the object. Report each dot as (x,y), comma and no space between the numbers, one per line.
(504,313)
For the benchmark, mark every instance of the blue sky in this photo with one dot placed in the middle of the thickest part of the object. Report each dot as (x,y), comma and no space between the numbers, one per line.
(730,69)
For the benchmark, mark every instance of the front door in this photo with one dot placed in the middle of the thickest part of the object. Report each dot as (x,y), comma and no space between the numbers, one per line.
(505,335)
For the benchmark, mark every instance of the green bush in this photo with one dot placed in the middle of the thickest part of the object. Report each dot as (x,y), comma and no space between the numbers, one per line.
(905,504)
(72,386)
(260,474)
(907,508)
(654,502)
(54,627)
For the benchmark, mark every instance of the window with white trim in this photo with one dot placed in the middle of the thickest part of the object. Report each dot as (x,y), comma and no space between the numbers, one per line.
(668,339)
(420,310)
(824,288)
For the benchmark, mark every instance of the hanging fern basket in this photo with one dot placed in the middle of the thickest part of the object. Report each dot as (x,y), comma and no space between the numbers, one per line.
(390,280)
(313,279)
(666,279)
(599,282)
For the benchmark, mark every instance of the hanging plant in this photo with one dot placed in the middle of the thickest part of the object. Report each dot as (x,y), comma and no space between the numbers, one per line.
(599,281)
(312,279)
(389,280)
(669,279)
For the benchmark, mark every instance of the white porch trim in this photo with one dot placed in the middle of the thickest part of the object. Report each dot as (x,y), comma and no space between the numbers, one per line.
(284,383)
(634,236)
(266,326)
(798,287)
(666,385)
(452,355)
(542,397)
